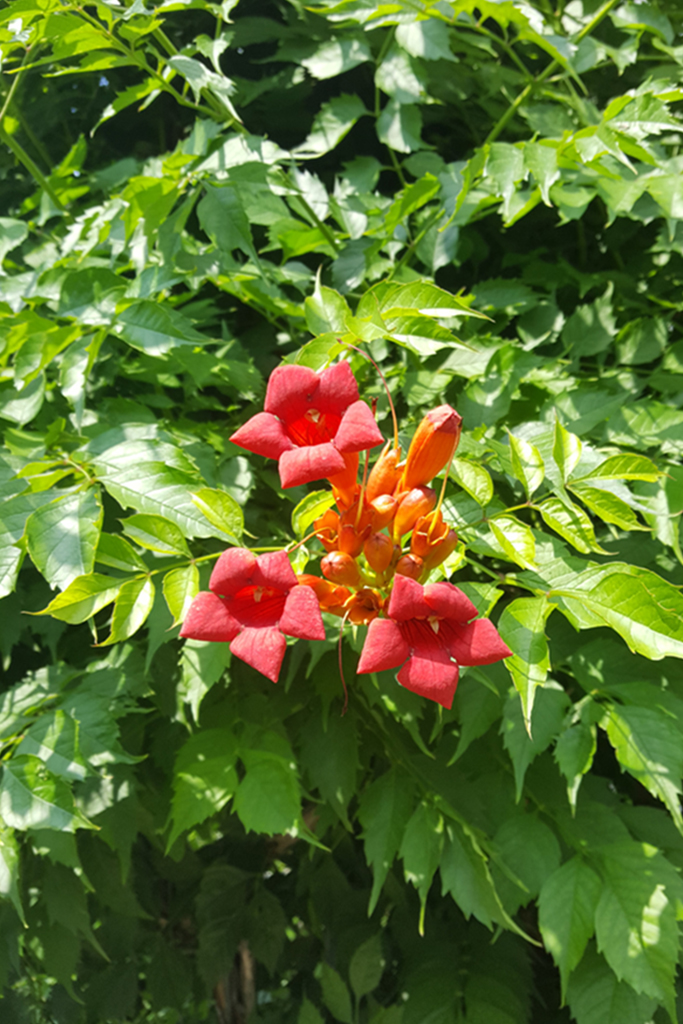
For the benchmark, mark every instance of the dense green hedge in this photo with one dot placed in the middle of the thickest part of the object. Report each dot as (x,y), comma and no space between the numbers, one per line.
(487,198)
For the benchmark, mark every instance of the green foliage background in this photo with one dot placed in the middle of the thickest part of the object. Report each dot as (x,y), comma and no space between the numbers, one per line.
(191,191)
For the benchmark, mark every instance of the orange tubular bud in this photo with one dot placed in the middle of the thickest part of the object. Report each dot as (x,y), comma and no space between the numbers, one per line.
(364,606)
(432,446)
(385,474)
(441,551)
(416,503)
(379,551)
(384,510)
(341,569)
(354,529)
(331,598)
(427,534)
(410,565)
(327,529)
(344,485)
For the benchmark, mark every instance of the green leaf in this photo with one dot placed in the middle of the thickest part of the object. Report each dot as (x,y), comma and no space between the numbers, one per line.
(420,851)
(515,538)
(635,920)
(624,467)
(268,798)
(83,598)
(570,522)
(54,739)
(566,908)
(62,536)
(384,811)
(204,779)
(609,507)
(574,753)
(202,665)
(410,199)
(309,509)
(155,329)
(308,1014)
(335,56)
(645,610)
(528,848)
(596,996)
(9,870)
(590,328)
(331,124)
(522,627)
(474,479)
(399,126)
(31,797)
(330,757)
(12,233)
(180,587)
(541,159)
(648,746)
(326,311)
(222,216)
(133,605)
(366,967)
(156,534)
(221,510)
(550,705)
(566,450)
(465,874)
(336,995)
(114,551)
(527,464)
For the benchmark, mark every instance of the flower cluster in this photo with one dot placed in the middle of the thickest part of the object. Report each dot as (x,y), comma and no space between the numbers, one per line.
(381,543)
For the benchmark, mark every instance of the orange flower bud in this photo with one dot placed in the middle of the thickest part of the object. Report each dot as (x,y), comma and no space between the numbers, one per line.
(385,474)
(354,530)
(364,606)
(327,529)
(384,508)
(379,551)
(341,568)
(432,446)
(441,551)
(331,597)
(344,485)
(410,565)
(417,502)
(427,534)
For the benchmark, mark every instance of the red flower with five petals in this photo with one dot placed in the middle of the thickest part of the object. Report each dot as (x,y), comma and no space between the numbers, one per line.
(252,602)
(311,421)
(429,631)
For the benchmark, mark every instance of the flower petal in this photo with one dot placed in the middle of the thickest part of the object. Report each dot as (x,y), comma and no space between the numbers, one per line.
(263,649)
(232,571)
(263,434)
(338,389)
(384,647)
(304,465)
(357,430)
(301,616)
(290,391)
(407,600)
(432,675)
(209,619)
(478,643)
(274,570)
(448,602)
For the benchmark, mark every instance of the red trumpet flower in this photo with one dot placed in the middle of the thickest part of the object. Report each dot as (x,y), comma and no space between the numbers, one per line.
(311,421)
(251,604)
(429,631)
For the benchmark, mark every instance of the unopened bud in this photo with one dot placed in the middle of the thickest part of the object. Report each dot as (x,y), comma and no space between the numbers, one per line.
(385,475)
(331,597)
(410,565)
(440,552)
(341,568)
(432,446)
(327,529)
(364,606)
(344,484)
(379,551)
(416,503)
(427,534)
(383,511)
